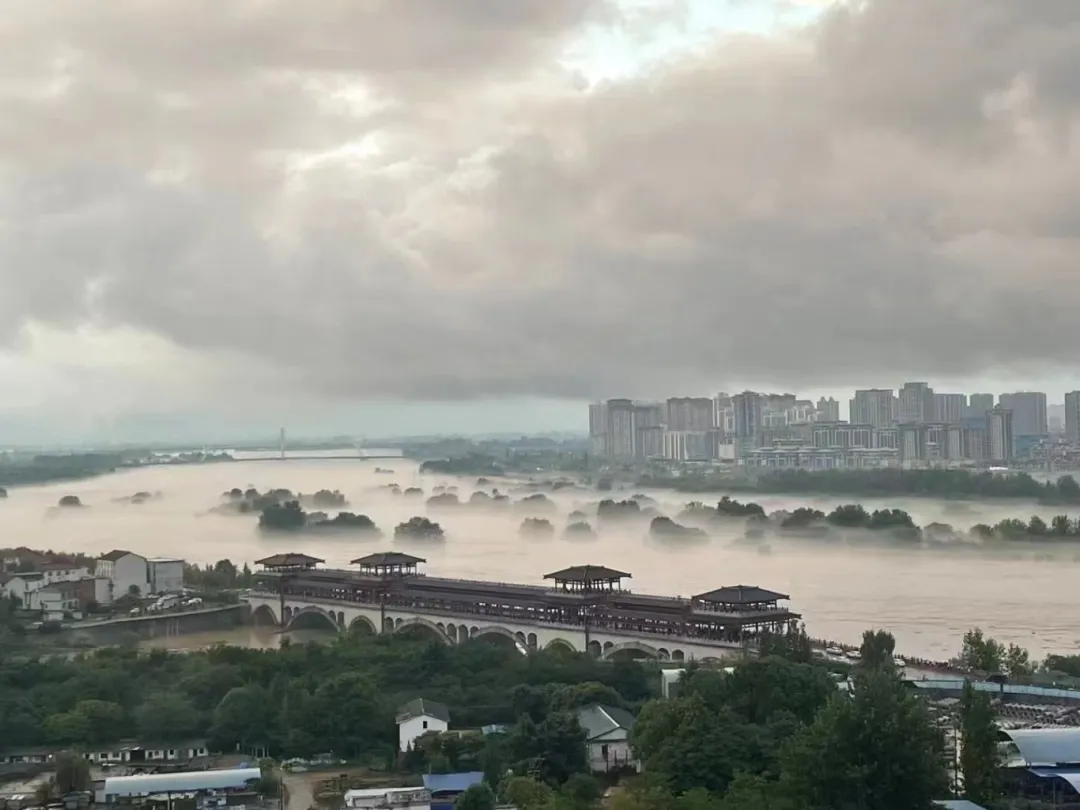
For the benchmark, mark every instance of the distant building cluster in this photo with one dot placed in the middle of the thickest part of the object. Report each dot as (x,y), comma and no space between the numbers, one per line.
(913,426)
(59,587)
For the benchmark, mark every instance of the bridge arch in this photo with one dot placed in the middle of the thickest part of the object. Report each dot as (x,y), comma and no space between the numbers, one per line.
(632,647)
(362,624)
(416,621)
(264,616)
(312,618)
(494,631)
(559,643)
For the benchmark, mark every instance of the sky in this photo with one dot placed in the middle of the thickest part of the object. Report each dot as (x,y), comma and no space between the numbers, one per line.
(415,216)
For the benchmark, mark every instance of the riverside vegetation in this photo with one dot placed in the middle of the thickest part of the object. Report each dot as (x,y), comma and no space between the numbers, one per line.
(889,482)
(775,734)
(893,523)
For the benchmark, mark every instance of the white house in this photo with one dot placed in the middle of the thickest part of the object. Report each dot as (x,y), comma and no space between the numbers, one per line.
(123,569)
(607,737)
(160,752)
(417,717)
(388,798)
(22,585)
(165,574)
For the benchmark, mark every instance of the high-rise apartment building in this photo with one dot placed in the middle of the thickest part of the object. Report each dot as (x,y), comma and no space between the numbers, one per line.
(1000,439)
(724,414)
(598,428)
(916,403)
(1072,416)
(828,410)
(1028,412)
(949,408)
(621,429)
(979,405)
(690,413)
(873,406)
(748,408)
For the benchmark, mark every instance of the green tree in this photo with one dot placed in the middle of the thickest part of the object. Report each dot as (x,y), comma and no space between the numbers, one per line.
(72,772)
(244,719)
(167,716)
(877,650)
(349,713)
(526,793)
(1017,661)
(875,750)
(979,754)
(476,797)
(981,652)
(581,791)
(553,749)
(685,744)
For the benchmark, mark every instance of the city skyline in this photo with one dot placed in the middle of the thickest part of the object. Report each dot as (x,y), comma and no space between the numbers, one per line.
(912,425)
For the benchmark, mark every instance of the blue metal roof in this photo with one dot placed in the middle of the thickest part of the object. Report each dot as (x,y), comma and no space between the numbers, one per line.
(1071,776)
(1047,746)
(957,684)
(452,782)
(959,804)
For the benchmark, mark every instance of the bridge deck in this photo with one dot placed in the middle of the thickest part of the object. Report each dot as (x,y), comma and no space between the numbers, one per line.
(614,611)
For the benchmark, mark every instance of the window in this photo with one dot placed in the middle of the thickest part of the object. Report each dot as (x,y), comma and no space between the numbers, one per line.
(425,724)
(604,751)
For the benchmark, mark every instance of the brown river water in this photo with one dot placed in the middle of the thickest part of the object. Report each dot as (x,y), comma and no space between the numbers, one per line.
(926,597)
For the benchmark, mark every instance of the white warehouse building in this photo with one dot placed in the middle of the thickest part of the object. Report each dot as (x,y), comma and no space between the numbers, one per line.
(165,574)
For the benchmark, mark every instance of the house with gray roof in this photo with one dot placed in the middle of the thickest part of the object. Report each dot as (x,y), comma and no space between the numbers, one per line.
(607,738)
(417,717)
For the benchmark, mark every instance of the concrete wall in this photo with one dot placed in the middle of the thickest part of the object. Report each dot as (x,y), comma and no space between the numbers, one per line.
(119,631)
(453,629)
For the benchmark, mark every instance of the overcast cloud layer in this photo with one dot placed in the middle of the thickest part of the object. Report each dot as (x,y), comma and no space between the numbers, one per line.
(414,199)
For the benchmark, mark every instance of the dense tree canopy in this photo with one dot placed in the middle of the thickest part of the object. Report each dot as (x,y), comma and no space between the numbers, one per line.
(938,483)
(296,701)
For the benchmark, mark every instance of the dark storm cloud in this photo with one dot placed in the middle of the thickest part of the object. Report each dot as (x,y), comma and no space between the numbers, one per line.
(894,188)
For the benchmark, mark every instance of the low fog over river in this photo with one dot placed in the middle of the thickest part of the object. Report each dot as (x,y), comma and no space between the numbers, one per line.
(926,597)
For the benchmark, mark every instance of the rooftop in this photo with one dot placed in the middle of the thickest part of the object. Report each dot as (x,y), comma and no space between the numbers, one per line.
(1047,746)
(115,554)
(21,575)
(587,573)
(385,558)
(597,720)
(423,708)
(289,560)
(59,565)
(184,782)
(452,782)
(740,595)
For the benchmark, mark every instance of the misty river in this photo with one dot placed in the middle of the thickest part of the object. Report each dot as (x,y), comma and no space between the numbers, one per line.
(926,597)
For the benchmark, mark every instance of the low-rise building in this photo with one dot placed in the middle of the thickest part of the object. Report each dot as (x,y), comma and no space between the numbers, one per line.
(388,798)
(165,574)
(135,752)
(125,570)
(607,738)
(21,585)
(61,570)
(418,717)
(69,597)
(446,787)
